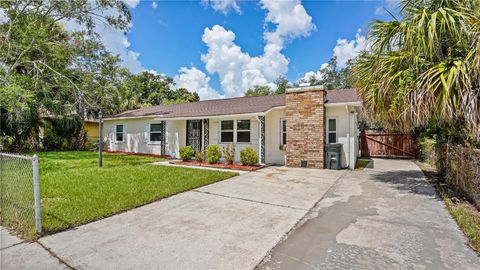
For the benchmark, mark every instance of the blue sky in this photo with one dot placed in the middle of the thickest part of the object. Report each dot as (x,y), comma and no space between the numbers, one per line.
(244,43)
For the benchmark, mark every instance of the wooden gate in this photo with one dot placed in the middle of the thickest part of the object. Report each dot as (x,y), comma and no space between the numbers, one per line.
(375,143)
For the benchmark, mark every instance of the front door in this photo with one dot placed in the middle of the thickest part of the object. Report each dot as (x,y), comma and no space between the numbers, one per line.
(194,134)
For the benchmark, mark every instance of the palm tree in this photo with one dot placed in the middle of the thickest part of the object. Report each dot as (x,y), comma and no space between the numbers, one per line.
(424,66)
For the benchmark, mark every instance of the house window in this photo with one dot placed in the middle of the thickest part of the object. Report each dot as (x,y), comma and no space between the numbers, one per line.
(119,133)
(243,131)
(227,131)
(235,131)
(332,130)
(283,132)
(156,132)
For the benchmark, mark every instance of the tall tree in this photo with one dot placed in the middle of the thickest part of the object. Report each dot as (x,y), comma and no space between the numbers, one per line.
(282,83)
(332,77)
(425,66)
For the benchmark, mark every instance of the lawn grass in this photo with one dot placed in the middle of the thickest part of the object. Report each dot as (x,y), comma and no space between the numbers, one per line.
(75,191)
(463,211)
(362,163)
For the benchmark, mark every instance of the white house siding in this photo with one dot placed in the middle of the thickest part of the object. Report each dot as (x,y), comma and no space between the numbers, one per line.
(347,132)
(214,134)
(176,136)
(136,136)
(273,153)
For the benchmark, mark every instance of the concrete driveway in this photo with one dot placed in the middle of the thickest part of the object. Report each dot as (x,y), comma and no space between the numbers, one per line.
(388,217)
(227,225)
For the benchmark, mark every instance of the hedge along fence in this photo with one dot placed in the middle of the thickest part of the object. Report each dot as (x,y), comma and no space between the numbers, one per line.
(461,167)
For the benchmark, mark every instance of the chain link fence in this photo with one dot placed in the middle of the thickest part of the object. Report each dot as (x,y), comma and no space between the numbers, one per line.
(461,167)
(20,194)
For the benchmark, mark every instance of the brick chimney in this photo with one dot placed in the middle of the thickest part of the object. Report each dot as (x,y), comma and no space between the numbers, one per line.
(305,117)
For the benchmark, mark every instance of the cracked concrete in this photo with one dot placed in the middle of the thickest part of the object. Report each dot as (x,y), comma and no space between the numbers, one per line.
(386,217)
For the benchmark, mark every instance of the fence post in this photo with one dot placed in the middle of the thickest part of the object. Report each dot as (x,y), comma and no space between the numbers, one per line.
(36,194)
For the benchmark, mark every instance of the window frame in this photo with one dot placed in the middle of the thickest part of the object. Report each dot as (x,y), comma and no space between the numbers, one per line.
(117,133)
(235,131)
(156,132)
(227,130)
(335,131)
(282,132)
(249,130)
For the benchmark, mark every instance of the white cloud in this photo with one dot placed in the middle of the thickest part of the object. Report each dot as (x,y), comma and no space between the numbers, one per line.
(131,3)
(318,75)
(223,6)
(194,80)
(126,43)
(237,70)
(115,41)
(154,4)
(3,16)
(291,20)
(349,49)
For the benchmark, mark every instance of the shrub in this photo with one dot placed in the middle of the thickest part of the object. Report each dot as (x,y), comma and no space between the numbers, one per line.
(248,156)
(229,153)
(199,156)
(213,153)
(186,153)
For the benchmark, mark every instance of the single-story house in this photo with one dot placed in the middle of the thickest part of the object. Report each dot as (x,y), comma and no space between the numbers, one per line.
(290,129)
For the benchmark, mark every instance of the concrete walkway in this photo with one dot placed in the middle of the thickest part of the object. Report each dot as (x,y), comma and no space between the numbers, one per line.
(388,217)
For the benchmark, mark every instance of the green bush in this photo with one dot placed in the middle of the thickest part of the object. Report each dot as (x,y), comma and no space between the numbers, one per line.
(229,153)
(213,153)
(248,156)
(427,147)
(199,156)
(186,153)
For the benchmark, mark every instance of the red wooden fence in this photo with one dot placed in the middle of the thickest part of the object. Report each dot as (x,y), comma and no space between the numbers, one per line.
(375,143)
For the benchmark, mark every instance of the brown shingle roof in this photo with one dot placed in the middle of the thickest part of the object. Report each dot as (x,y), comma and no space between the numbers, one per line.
(342,96)
(228,106)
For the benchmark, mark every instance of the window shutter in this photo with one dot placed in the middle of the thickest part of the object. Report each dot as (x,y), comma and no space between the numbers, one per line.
(125,133)
(146,133)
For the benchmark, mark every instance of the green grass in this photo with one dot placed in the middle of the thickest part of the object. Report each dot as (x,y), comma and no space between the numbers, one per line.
(468,219)
(362,163)
(75,191)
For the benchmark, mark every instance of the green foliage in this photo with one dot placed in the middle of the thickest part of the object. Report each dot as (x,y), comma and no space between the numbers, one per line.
(258,90)
(424,67)
(333,78)
(282,84)
(75,191)
(47,72)
(214,154)
(186,152)
(248,156)
(229,153)
(199,156)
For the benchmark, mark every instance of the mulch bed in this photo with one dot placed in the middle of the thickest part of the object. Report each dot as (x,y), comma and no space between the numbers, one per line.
(219,165)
